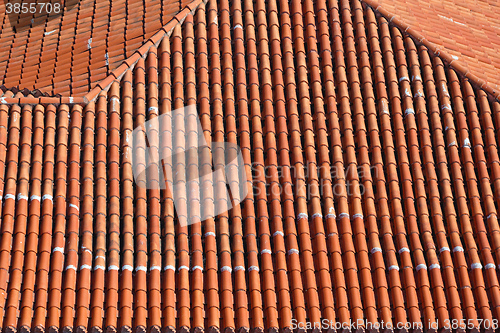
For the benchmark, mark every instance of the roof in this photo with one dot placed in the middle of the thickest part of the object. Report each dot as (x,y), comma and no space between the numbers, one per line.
(465,33)
(370,167)
(66,50)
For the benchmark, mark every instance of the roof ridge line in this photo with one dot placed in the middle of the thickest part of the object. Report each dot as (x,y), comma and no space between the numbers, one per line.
(438,51)
(142,51)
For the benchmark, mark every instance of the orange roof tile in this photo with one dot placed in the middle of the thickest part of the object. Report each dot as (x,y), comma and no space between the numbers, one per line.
(369,173)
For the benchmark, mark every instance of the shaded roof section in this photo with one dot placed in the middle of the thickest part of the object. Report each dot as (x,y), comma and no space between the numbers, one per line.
(372,168)
(67,51)
(466,32)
